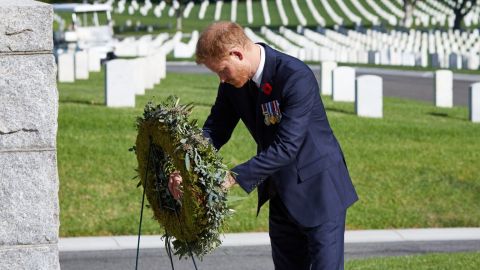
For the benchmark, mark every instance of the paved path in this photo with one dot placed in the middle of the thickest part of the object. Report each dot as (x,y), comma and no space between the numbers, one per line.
(252,251)
(416,85)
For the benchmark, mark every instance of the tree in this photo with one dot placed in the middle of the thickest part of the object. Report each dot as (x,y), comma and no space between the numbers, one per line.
(408,6)
(460,8)
(179,7)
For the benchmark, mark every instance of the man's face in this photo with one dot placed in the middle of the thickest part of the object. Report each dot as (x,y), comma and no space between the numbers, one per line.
(233,69)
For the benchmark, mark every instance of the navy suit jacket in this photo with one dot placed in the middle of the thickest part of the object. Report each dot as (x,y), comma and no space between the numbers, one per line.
(300,156)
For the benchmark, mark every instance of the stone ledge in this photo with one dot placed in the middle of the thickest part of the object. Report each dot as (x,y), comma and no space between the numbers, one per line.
(26,26)
(28,102)
(28,195)
(30,257)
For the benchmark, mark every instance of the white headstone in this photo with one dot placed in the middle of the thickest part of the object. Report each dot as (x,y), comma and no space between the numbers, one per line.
(473,61)
(66,67)
(144,45)
(344,84)
(158,66)
(126,48)
(81,65)
(183,50)
(443,88)
(148,75)
(369,96)
(326,77)
(94,59)
(474,102)
(137,76)
(163,64)
(119,85)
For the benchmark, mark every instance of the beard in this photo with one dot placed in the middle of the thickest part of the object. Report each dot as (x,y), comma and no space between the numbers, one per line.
(241,78)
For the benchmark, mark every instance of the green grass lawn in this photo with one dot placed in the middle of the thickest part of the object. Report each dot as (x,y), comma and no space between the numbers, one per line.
(417,167)
(451,261)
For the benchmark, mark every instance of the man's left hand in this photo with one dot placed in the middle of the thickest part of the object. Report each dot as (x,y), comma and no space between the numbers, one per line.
(229,181)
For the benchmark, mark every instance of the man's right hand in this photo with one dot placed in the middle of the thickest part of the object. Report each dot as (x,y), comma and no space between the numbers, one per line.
(175,185)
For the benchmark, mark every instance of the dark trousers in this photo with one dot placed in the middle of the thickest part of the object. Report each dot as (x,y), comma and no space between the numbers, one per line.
(295,247)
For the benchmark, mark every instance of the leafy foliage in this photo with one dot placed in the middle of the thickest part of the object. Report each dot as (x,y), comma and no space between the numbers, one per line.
(166,142)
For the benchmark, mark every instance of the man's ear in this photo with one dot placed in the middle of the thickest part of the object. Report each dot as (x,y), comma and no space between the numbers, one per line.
(236,53)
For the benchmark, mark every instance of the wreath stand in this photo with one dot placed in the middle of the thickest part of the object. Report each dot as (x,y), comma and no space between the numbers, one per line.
(172,205)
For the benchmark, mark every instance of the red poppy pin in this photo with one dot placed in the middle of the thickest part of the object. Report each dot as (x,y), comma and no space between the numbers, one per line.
(267,89)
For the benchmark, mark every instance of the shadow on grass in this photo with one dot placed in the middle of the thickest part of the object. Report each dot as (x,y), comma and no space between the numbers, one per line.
(328,109)
(446,115)
(83,102)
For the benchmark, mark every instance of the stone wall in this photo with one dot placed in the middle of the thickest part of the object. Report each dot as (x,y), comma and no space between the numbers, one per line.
(29,209)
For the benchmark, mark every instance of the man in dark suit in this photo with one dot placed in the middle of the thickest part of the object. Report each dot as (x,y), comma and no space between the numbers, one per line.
(299,165)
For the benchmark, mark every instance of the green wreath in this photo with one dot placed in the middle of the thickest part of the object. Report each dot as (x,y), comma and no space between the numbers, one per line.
(167,142)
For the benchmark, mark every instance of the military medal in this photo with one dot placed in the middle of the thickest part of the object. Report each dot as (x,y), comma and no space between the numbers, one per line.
(271,113)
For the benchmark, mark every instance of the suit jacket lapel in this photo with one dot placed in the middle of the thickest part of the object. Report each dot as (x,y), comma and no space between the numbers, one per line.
(267,77)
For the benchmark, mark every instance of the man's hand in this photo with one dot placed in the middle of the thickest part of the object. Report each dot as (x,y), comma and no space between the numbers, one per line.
(229,181)
(175,185)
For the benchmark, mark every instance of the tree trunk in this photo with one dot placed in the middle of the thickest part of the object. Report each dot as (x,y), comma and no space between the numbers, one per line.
(179,17)
(460,13)
(457,24)
(408,6)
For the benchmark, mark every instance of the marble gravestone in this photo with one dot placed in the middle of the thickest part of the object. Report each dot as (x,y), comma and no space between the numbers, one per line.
(81,65)
(120,88)
(443,88)
(326,77)
(474,102)
(344,84)
(369,96)
(66,67)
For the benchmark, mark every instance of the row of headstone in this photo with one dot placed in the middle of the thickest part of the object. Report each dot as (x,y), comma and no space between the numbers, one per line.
(386,15)
(350,15)
(443,93)
(281,12)
(266,14)
(233,11)
(283,43)
(249,11)
(396,10)
(218,10)
(126,78)
(366,14)
(188,9)
(142,46)
(76,65)
(425,12)
(203,9)
(254,37)
(396,49)
(186,50)
(298,13)
(318,18)
(335,17)
(367,91)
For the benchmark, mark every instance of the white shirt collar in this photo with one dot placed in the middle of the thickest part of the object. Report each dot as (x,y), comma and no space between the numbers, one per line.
(257,78)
